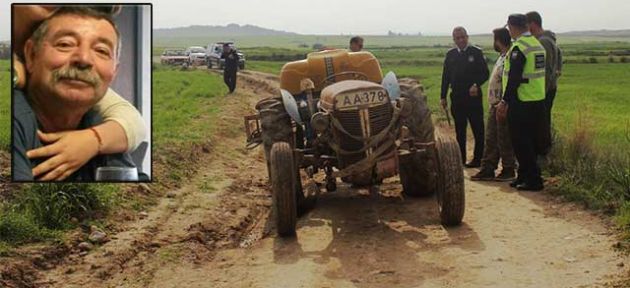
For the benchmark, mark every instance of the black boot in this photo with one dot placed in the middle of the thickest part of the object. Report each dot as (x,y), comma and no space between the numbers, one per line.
(483,175)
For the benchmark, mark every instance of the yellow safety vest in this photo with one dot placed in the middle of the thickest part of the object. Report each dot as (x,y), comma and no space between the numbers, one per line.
(534,70)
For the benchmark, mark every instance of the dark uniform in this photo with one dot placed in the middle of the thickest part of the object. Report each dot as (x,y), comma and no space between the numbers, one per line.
(525,96)
(463,69)
(229,69)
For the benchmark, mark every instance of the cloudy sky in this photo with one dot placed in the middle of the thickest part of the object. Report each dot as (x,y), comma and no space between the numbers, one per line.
(377,17)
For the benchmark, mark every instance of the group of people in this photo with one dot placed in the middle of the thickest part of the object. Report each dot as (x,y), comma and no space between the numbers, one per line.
(521,90)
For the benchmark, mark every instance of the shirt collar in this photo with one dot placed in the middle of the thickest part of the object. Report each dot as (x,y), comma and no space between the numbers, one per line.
(523,35)
(463,50)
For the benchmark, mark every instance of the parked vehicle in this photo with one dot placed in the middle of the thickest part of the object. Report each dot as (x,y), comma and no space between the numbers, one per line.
(173,57)
(196,55)
(214,51)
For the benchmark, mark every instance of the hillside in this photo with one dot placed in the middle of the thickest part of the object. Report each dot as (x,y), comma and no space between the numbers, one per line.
(206,30)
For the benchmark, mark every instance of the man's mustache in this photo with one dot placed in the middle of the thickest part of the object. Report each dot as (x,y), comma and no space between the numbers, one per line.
(74,73)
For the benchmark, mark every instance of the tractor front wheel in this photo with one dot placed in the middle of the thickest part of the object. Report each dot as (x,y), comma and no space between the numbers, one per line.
(282,170)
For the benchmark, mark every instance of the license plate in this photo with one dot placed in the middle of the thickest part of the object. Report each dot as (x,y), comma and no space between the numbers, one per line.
(357,99)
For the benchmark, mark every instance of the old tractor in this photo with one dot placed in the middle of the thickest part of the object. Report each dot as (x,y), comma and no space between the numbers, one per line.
(338,115)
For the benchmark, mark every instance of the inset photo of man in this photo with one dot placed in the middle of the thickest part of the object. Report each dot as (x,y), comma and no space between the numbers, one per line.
(81,98)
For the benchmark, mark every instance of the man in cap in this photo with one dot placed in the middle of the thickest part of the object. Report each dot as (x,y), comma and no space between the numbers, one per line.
(465,71)
(524,101)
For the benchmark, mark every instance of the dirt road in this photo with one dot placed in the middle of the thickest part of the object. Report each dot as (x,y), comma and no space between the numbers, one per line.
(216,232)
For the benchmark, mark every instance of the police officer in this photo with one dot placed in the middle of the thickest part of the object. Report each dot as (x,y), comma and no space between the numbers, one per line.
(465,70)
(230,67)
(524,101)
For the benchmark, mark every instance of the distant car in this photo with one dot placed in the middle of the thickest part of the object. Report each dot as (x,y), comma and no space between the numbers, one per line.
(173,57)
(214,52)
(196,55)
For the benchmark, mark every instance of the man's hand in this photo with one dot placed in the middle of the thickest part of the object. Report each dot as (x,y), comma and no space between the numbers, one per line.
(67,152)
(473,91)
(444,104)
(502,109)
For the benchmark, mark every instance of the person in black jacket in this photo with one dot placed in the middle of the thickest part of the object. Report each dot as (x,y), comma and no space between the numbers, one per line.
(230,67)
(465,71)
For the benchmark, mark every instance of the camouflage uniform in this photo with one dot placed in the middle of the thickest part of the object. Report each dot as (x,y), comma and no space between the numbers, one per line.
(498,143)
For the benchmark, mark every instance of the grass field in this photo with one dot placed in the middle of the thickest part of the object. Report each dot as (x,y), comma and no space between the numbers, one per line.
(180,99)
(295,41)
(5,104)
(595,90)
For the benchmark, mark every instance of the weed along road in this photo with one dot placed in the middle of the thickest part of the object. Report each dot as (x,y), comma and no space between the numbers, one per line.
(218,231)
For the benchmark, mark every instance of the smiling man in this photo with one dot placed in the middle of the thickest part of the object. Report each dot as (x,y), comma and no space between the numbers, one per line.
(71,59)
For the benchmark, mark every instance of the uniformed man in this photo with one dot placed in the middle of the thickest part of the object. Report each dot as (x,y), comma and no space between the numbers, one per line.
(356,44)
(465,71)
(230,67)
(524,101)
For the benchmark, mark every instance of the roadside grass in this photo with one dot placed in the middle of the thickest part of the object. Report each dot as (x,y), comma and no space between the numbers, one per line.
(181,100)
(598,176)
(185,103)
(41,212)
(272,67)
(5,104)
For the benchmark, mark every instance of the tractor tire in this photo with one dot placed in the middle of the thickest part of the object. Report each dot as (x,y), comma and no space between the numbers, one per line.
(418,175)
(450,193)
(283,188)
(276,127)
(241,66)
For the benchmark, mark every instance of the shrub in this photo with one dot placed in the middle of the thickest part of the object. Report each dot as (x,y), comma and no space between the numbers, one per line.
(53,205)
(18,228)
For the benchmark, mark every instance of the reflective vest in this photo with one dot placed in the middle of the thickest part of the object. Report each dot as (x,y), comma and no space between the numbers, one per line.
(533,86)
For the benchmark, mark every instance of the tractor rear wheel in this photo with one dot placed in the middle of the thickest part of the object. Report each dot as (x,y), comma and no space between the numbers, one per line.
(418,174)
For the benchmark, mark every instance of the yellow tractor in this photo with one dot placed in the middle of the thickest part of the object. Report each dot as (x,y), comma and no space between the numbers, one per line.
(338,114)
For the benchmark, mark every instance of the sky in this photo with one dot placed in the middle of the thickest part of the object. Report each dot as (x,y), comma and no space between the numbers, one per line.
(367,17)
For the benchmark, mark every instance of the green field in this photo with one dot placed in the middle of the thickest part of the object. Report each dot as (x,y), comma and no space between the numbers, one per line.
(295,41)
(594,89)
(5,104)
(181,100)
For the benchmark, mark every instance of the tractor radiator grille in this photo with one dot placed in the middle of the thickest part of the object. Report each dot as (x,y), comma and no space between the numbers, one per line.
(379,118)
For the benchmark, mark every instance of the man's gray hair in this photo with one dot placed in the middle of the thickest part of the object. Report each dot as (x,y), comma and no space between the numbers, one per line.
(42,29)
(460,28)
